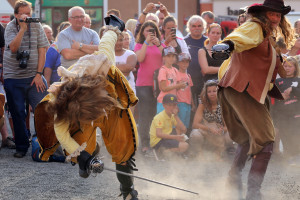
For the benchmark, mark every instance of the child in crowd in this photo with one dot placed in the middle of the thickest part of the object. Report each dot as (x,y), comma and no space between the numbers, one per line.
(167,130)
(167,77)
(184,95)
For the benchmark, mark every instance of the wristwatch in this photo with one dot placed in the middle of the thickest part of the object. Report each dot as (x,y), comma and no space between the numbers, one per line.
(40,73)
(80,46)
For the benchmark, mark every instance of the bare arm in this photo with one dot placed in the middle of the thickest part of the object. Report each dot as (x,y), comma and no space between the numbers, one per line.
(197,123)
(38,80)
(15,44)
(129,65)
(295,48)
(47,75)
(205,69)
(72,54)
(166,88)
(86,48)
(149,7)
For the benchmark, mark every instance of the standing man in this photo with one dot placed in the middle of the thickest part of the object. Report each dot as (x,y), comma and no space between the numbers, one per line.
(49,33)
(209,17)
(245,80)
(24,59)
(195,41)
(76,40)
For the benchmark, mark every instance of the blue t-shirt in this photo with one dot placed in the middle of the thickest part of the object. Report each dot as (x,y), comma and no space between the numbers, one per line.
(53,62)
(194,68)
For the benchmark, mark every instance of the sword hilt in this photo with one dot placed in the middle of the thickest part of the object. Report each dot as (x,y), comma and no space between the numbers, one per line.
(96,165)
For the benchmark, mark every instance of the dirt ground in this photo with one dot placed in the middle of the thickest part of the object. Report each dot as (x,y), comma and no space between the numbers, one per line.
(25,179)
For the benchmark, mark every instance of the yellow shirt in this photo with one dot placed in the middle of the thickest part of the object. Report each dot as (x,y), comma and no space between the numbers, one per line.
(245,37)
(163,121)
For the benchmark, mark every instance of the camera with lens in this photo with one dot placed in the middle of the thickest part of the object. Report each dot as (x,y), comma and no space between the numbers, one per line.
(157,6)
(30,20)
(23,57)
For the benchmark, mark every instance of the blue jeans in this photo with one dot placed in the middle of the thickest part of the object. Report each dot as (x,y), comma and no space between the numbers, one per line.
(18,91)
(147,110)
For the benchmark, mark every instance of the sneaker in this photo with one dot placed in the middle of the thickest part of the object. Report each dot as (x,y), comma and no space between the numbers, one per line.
(9,143)
(158,155)
(148,153)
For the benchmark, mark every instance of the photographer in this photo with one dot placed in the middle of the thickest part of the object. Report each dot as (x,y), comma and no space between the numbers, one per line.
(24,58)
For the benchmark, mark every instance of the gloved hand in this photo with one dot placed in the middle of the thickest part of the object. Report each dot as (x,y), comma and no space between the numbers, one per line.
(222,51)
(88,163)
(115,21)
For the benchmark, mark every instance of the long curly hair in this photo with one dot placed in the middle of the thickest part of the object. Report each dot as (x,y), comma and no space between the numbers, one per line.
(203,95)
(284,30)
(81,100)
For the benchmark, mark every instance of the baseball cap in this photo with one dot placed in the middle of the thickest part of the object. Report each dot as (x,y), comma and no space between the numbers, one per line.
(184,56)
(168,51)
(169,98)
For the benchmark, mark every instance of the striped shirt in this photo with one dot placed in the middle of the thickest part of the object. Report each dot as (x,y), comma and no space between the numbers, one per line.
(38,39)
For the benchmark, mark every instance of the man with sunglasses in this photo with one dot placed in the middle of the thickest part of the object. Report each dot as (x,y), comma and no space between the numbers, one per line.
(76,40)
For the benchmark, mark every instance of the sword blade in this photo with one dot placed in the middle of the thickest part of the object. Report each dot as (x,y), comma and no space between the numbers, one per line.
(149,180)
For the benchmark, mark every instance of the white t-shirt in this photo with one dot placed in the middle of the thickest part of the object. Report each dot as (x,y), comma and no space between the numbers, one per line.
(122,60)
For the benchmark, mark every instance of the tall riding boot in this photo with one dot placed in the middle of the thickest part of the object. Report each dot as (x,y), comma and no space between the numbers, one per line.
(234,181)
(257,172)
(126,187)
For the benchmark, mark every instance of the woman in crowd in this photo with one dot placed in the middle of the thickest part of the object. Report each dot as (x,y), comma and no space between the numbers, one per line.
(286,114)
(169,33)
(53,58)
(148,49)
(209,129)
(210,66)
(126,60)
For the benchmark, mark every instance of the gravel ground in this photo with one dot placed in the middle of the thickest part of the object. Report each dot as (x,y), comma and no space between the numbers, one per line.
(25,179)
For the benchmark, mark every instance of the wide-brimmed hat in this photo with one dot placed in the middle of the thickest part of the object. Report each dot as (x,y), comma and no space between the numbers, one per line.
(270,5)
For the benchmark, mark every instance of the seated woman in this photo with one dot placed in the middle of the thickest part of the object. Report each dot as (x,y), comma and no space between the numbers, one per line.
(286,113)
(209,129)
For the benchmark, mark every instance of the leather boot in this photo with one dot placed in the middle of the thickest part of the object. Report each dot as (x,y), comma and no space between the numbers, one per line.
(257,172)
(234,181)
(126,183)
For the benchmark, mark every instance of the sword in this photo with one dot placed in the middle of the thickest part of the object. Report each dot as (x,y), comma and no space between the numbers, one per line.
(97,166)
(149,180)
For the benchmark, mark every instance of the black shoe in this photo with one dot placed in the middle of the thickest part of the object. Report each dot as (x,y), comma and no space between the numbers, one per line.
(19,154)
(115,22)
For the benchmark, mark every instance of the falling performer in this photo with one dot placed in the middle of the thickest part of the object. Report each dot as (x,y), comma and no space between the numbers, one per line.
(92,93)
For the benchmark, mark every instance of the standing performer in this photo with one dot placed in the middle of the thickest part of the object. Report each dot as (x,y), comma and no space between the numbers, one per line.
(245,80)
(93,93)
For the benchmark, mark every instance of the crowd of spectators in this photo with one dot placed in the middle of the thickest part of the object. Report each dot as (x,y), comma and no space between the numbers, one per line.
(185,116)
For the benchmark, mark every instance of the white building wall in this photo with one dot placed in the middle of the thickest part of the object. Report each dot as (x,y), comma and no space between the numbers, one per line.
(221,7)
